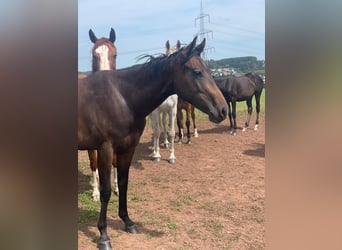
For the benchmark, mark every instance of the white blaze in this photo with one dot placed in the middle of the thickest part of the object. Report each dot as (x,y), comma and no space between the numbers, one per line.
(103,53)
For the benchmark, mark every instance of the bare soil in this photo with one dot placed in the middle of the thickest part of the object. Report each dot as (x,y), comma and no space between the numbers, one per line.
(212,198)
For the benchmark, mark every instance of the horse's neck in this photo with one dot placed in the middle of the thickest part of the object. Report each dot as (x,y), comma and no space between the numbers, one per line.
(145,92)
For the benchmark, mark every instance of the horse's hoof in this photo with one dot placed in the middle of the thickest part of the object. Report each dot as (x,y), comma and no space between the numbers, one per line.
(172,161)
(232,133)
(104,245)
(244,129)
(189,142)
(156,159)
(256,127)
(132,229)
(166,145)
(196,135)
(179,142)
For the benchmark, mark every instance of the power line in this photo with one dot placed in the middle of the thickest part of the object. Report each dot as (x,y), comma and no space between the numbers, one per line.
(204,32)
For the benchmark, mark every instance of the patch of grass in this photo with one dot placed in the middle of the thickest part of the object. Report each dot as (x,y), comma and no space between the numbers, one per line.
(256,214)
(214,226)
(180,201)
(135,196)
(155,179)
(256,247)
(89,210)
(208,206)
(162,222)
(171,226)
(85,201)
(234,237)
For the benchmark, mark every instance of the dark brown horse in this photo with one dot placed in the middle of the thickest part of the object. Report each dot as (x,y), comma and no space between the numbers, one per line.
(112,110)
(241,88)
(104,55)
(183,105)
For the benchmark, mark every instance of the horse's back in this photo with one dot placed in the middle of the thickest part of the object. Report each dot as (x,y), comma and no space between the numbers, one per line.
(100,103)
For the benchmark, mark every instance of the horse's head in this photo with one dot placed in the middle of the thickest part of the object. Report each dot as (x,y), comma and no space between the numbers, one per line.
(170,50)
(104,51)
(194,83)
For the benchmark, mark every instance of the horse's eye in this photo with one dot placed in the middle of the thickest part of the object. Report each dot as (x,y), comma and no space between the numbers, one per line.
(197,73)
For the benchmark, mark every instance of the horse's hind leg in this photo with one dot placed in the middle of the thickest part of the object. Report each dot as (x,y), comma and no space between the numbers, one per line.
(187,123)
(193,116)
(105,154)
(172,118)
(95,178)
(165,130)
(115,176)
(250,109)
(180,125)
(257,101)
(155,121)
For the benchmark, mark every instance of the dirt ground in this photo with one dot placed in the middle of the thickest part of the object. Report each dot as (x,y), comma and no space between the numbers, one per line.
(212,198)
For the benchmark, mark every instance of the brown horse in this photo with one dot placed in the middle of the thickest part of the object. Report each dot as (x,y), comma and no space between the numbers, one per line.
(112,110)
(104,58)
(189,109)
(241,88)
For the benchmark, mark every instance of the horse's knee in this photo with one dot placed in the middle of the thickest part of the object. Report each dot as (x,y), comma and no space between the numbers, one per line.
(172,133)
(105,194)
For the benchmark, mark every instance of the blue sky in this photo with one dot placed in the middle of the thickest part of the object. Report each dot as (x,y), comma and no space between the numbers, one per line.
(142,27)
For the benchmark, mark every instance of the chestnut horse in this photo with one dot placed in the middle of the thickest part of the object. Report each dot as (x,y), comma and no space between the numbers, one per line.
(104,58)
(112,110)
(241,88)
(189,111)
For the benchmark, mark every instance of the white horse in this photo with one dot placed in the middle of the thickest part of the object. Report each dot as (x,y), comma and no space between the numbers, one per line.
(168,107)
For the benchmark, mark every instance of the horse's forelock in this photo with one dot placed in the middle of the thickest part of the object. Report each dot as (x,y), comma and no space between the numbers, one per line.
(104,41)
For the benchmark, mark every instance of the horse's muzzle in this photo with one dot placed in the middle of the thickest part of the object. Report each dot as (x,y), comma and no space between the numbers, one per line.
(220,115)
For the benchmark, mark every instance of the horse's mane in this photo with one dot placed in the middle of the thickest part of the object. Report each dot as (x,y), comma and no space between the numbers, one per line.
(157,63)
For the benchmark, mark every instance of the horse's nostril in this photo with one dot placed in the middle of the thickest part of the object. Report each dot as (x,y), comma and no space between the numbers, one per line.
(224,112)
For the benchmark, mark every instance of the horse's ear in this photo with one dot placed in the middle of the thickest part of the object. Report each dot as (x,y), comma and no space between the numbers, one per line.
(112,36)
(178,45)
(187,51)
(199,48)
(167,45)
(92,36)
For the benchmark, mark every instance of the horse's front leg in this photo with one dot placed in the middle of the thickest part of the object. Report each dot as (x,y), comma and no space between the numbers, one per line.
(233,132)
(105,159)
(231,127)
(180,125)
(187,123)
(257,101)
(123,164)
(249,110)
(193,116)
(172,118)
